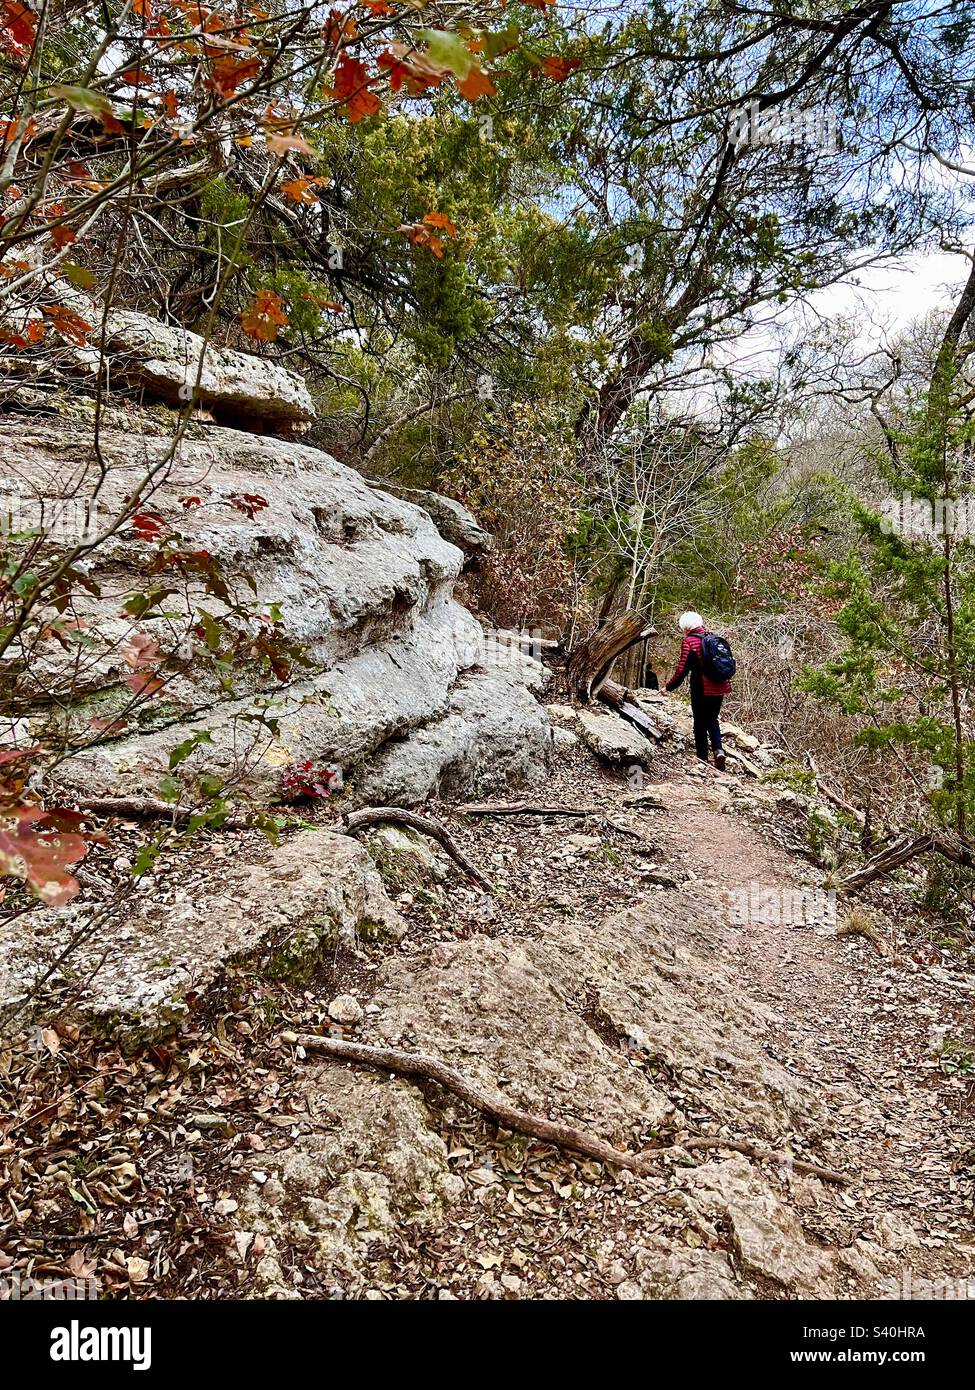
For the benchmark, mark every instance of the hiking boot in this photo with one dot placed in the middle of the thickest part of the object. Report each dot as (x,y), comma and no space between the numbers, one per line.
(719,760)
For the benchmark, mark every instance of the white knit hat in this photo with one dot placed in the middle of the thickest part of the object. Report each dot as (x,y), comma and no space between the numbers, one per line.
(687,621)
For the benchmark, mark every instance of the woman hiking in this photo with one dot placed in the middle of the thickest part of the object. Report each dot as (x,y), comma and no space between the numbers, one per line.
(708,660)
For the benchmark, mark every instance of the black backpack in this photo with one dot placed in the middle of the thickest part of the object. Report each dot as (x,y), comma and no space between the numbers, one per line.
(717,660)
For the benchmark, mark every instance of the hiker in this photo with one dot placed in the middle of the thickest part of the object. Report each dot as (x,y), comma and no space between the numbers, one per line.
(708,659)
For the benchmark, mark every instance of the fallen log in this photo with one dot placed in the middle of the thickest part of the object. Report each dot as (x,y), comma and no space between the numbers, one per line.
(868,837)
(620,699)
(579,1141)
(902,851)
(592,660)
(354,821)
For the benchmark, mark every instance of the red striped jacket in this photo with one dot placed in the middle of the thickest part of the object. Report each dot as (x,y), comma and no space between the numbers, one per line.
(690,661)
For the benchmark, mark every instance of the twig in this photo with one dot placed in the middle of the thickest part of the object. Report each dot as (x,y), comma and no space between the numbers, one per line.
(525,808)
(355,821)
(148,808)
(756,1151)
(520,1121)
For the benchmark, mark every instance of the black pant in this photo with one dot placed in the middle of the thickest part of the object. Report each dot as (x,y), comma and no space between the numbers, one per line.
(706,709)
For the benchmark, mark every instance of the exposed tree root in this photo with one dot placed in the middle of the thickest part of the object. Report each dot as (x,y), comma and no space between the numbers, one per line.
(521,1122)
(149,808)
(761,1154)
(426,825)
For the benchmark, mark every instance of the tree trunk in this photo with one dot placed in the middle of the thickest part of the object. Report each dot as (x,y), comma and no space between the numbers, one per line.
(592,660)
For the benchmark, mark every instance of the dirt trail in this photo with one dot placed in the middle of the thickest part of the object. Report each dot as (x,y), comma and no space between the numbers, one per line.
(863,1027)
(385,1190)
(862,1022)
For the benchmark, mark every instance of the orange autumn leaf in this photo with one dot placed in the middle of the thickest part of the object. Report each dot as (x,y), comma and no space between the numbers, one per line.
(18,28)
(300,190)
(63,236)
(351,89)
(170,104)
(281,144)
(12,130)
(228,72)
(67,322)
(377,7)
(441,221)
(263,318)
(558,69)
(409,69)
(476,84)
(419,235)
(143,8)
(337,27)
(32,334)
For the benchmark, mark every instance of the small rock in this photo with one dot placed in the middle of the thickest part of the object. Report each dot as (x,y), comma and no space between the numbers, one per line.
(894,1233)
(345,1008)
(629,1291)
(583,843)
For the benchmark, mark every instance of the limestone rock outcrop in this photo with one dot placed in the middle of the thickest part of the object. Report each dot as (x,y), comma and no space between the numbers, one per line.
(176,366)
(356,581)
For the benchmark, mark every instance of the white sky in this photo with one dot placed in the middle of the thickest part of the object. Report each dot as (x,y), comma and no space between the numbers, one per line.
(890,297)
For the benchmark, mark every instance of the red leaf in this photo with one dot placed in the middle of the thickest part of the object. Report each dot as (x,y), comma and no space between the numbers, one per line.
(63,236)
(250,503)
(476,84)
(34,845)
(140,651)
(149,526)
(144,685)
(351,89)
(68,323)
(558,69)
(18,28)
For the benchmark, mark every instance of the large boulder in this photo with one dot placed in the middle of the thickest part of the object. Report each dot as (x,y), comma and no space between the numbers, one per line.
(612,739)
(493,735)
(134,976)
(175,366)
(361,585)
(454,522)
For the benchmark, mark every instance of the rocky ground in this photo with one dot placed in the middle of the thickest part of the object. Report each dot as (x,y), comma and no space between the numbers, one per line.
(628,977)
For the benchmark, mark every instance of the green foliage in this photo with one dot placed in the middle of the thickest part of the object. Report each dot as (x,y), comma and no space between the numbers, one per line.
(908,618)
